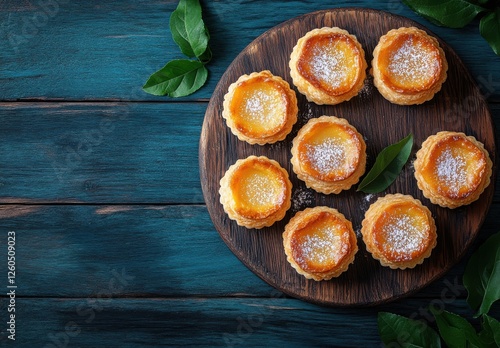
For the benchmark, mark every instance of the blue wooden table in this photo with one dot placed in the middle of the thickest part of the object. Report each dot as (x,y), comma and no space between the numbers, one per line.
(100,183)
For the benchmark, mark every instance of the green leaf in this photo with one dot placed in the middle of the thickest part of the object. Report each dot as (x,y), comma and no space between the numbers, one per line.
(448,13)
(455,331)
(188,29)
(490,335)
(178,78)
(206,57)
(482,276)
(489,28)
(387,166)
(399,331)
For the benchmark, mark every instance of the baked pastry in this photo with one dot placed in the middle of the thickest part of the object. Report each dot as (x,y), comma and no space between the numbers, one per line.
(452,169)
(328,154)
(399,231)
(320,243)
(328,66)
(260,108)
(255,192)
(408,67)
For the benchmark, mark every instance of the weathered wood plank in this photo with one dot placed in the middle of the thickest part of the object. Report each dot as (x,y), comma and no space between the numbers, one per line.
(111,322)
(79,50)
(75,250)
(170,251)
(106,152)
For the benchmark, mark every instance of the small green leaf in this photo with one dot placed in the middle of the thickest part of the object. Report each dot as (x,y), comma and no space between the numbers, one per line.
(178,78)
(490,335)
(387,166)
(448,13)
(482,276)
(182,77)
(489,28)
(399,331)
(206,57)
(188,29)
(455,331)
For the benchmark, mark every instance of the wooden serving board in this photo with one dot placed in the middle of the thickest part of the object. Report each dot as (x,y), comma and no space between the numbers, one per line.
(459,106)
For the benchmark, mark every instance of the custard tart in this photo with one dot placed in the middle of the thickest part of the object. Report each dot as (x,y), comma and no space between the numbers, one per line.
(255,192)
(399,231)
(328,154)
(320,243)
(408,67)
(452,169)
(328,66)
(260,108)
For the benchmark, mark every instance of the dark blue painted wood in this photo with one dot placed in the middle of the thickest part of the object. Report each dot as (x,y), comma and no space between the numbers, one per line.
(170,250)
(73,250)
(113,322)
(101,51)
(105,152)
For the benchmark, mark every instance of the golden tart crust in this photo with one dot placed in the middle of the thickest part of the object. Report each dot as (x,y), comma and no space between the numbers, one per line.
(328,65)
(328,154)
(408,67)
(399,231)
(255,192)
(452,169)
(320,243)
(260,108)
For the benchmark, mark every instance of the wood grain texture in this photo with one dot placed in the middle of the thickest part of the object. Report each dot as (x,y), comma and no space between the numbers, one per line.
(105,152)
(171,251)
(113,322)
(89,51)
(100,152)
(73,251)
(458,107)
(95,153)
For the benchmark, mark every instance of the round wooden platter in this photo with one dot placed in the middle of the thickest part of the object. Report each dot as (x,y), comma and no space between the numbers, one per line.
(459,106)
